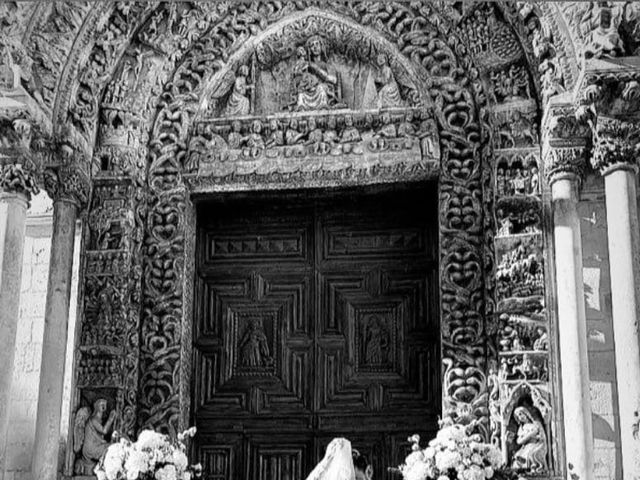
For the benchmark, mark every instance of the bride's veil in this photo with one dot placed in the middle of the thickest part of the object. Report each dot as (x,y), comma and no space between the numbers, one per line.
(337,463)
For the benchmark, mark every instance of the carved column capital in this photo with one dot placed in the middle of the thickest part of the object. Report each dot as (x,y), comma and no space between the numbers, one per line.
(70,183)
(16,178)
(564,142)
(616,144)
(563,161)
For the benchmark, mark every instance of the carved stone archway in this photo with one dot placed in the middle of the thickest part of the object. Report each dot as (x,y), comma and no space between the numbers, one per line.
(154,135)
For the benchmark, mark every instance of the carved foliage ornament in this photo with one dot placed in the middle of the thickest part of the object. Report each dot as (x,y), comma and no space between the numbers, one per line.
(616,144)
(564,160)
(14,178)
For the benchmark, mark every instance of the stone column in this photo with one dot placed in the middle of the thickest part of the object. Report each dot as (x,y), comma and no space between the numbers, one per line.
(564,167)
(68,188)
(616,159)
(16,187)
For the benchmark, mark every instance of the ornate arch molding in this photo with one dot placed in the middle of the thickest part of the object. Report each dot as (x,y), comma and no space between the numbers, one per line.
(461,213)
(152,178)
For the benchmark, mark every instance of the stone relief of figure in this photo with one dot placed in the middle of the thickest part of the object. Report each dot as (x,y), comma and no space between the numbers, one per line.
(534,180)
(350,134)
(254,141)
(254,349)
(89,435)
(531,441)
(238,103)
(315,82)
(389,93)
(276,137)
(376,342)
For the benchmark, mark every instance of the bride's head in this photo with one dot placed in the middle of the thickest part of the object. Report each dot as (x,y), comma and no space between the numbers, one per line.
(361,466)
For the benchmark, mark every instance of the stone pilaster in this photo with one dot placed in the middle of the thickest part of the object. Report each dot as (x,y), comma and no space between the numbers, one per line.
(68,185)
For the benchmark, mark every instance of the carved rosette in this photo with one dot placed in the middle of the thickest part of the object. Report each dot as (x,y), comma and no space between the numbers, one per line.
(68,183)
(15,178)
(616,145)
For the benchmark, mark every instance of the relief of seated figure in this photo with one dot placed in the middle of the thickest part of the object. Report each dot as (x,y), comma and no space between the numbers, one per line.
(314,80)
(90,436)
(531,441)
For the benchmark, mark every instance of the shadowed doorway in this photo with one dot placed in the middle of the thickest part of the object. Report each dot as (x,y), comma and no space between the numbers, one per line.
(316,316)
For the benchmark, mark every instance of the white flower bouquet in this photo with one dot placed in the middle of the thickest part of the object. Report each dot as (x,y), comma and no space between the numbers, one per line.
(153,456)
(453,455)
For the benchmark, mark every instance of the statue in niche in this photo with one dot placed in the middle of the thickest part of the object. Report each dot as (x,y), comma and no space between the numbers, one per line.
(315,83)
(531,441)
(254,349)
(90,435)
(376,342)
(389,93)
(519,183)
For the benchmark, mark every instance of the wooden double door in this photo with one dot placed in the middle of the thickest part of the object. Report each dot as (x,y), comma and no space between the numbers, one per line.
(314,318)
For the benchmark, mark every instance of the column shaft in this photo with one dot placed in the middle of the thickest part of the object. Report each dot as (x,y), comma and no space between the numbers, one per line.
(623,235)
(45,452)
(13,216)
(572,328)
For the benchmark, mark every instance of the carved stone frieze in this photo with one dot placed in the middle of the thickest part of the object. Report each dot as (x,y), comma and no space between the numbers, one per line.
(316,145)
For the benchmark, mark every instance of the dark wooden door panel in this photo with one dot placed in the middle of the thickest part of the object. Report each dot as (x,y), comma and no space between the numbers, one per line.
(313,320)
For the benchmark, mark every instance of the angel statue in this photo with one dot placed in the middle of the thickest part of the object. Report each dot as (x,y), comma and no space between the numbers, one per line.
(238,102)
(341,463)
(89,435)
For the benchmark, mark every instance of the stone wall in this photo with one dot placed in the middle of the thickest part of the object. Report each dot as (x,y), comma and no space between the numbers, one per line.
(26,376)
(602,369)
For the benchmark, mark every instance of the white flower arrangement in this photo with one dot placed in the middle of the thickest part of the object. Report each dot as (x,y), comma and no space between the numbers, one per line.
(152,457)
(453,455)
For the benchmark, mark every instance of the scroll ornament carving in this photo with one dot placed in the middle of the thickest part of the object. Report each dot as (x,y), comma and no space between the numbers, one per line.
(616,144)
(15,178)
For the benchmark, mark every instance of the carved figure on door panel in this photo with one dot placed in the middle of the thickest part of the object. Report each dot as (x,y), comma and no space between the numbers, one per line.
(254,349)
(376,342)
